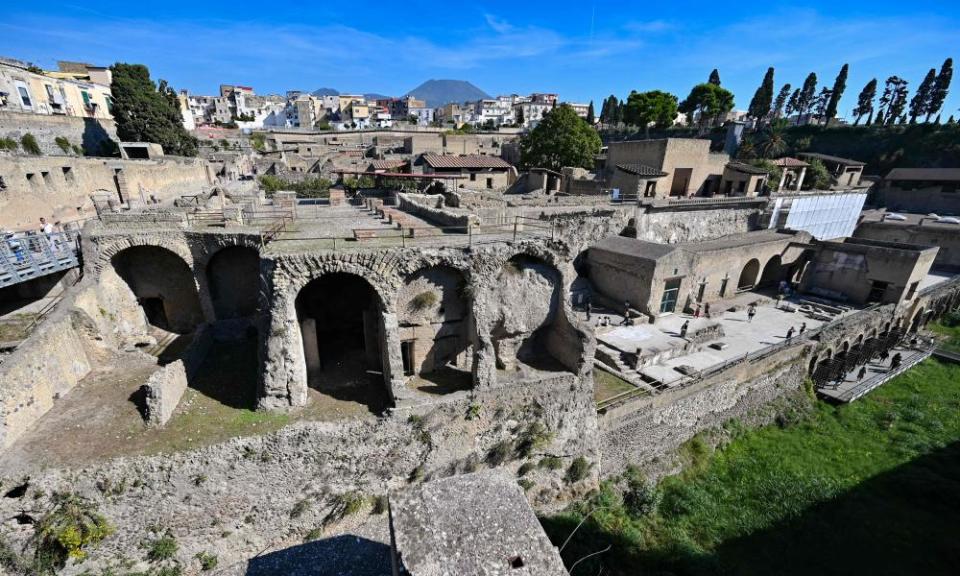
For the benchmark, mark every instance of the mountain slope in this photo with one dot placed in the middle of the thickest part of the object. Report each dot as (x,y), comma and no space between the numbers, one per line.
(440,92)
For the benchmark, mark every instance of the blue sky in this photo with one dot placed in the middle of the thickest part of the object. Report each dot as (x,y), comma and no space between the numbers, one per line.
(584,50)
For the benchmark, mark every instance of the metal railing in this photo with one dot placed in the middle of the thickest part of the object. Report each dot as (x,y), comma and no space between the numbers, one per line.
(403,235)
(24,257)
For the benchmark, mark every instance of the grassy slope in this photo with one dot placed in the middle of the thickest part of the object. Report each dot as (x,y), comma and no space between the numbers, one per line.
(872,488)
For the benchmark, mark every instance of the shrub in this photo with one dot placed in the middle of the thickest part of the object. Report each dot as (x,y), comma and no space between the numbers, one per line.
(163,548)
(62,143)
(578,470)
(417,474)
(199,479)
(379,504)
(299,508)
(29,144)
(526,468)
(348,503)
(67,531)
(76,149)
(258,141)
(473,412)
(207,560)
(423,301)
(313,534)
(535,437)
(8,144)
(499,453)
(526,483)
(551,463)
(641,497)
(951,319)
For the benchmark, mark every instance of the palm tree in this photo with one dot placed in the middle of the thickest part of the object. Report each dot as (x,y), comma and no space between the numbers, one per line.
(773,142)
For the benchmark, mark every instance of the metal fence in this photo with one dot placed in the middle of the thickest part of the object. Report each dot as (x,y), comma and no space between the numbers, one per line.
(27,256)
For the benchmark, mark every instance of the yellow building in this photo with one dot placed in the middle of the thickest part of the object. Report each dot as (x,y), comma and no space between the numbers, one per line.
(28,90)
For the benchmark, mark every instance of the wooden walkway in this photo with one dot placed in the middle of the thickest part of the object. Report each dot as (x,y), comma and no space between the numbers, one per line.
(846,392)
(23,258)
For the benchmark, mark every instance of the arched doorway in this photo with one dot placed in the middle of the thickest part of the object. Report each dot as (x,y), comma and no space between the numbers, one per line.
(748,277)
(772,272)
(917,320)
(163,285)
(233,275)
(341,328)
(434,318)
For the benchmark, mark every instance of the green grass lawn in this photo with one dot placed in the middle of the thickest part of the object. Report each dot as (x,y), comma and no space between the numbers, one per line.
(951,333)
(607,385)
(867,488)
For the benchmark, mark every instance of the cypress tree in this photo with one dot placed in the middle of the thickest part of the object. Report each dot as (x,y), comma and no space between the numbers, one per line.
(865,101)
(781,101)
(839,85)
(763,98)
(941,88)
(714,77)
(591,120)
(807,94)
(920,103)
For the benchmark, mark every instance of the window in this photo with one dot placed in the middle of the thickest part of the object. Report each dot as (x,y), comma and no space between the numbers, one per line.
(406,355)
(913,290)
(651,188)
(877,290)
(68,173)
(742,186)
(489,182)
(46,178)
(702,290)
(759,186)
(86,99)
(473,177)
(3,185)
(49,91)
(25,96)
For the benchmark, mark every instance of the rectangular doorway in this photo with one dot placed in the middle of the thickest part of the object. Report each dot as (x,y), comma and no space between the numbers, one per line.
(681,181)
(671,292)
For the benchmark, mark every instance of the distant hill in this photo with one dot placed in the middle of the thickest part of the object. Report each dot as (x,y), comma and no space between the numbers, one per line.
(440,92)
(325,92)
(375,96)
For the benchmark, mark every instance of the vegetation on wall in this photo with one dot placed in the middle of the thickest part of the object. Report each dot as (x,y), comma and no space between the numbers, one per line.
(306,188)
(67,532)
(29,144)
(9,144)
(145,112)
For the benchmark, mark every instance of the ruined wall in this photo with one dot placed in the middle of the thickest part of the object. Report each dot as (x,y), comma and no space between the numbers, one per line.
(425,206)
(89,133)
(651,427)
(250,487)
(59,187)
(42,369)
(671,227)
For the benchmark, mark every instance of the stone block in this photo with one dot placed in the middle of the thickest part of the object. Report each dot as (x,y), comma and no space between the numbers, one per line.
(163,392)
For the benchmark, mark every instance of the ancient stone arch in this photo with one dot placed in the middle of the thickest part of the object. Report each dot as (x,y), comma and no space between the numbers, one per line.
(232,276)
(748,276)
(773,271)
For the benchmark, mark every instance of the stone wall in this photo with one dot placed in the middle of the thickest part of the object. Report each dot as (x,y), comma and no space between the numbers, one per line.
(651,427)
(426,207)
(238,498)
(88,133)
(163,391)
(672,227)
(42,369)
(60,187)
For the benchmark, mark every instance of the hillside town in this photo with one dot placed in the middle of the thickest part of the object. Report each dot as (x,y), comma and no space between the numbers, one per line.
(343,333)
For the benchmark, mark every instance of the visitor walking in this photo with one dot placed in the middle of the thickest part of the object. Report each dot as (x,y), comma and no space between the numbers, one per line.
(895,362)
(589,310)
(789,333)
(862,373)
(683,329)
(803,328)
(751,312)
(706,310)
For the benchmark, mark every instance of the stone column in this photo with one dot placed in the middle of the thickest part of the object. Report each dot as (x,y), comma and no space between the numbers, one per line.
(311,349)
(390,352)
(803,172)
(783,179)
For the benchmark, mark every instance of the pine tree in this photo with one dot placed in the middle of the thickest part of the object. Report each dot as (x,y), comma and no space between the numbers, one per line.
(941,88)
(793,104)
(839,86)
(951,120)
(899,102)
(144,113)
(820,104)
(865,101)
(920,103)
(763,98)
(520,119)
(591,120)
(781,101)
(879,119)
(714,77)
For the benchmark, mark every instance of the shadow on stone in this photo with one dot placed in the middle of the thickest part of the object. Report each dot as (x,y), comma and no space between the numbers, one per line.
(345,555)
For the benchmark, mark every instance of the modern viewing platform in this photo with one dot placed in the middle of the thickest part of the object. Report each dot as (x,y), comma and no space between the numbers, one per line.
(26,256)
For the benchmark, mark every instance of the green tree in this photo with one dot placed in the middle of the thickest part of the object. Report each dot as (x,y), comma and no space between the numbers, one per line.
(654,107)
(865,101)
(763,98)
(520,120)
(714,77)
(893,101)
(806,97)
(839,86)
(818,177)
(773,143)
(29,144)
(708,102)
(781,101)
(920,103)
(561,139)
(820,104)
(591,118)
(144,113)
(941,88)
(793,103)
